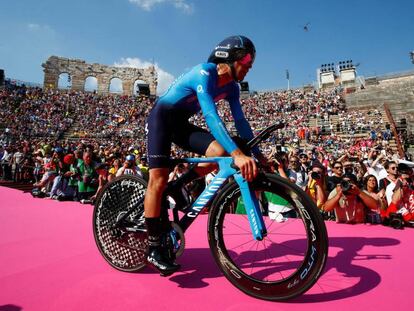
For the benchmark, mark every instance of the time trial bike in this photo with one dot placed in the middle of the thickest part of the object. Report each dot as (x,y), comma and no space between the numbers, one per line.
(267,236)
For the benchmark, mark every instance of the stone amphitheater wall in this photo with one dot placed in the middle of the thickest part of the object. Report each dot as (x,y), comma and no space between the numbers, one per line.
(79,70)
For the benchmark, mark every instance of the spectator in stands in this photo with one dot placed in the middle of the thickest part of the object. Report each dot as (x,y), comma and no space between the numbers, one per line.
(388,182)
(129,167)
(371,187)
(143,166)
(178,171)
(116,164)
(316,186)
(349,202)
(296,174)
(304,162)
(17,164)
(336,177)
(88,182)
(6,163)
(102,171)
(402,201)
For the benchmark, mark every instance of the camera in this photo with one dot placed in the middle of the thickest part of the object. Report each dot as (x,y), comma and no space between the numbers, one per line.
(396,221)
(316,175)
(346,186)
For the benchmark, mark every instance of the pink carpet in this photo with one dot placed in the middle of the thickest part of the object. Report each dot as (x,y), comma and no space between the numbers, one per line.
(49,261)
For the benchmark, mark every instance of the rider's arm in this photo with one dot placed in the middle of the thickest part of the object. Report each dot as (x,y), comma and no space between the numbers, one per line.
(242,126)
(204,86)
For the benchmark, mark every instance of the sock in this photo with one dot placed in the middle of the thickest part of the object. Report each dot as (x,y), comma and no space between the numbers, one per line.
(165,221)
(154,230)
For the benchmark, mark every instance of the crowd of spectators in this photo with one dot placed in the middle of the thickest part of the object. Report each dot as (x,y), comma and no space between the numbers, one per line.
(108,140)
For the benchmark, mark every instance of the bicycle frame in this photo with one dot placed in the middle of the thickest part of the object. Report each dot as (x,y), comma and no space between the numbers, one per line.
(226,169)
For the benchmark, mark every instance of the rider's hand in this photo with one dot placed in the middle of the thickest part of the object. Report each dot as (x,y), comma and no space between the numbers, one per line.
(246,164)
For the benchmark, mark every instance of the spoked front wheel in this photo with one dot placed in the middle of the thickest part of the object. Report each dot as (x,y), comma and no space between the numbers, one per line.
(123,247)
(290,258)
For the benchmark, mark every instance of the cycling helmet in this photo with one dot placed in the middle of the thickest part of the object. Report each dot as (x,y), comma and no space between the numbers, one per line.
(232,49)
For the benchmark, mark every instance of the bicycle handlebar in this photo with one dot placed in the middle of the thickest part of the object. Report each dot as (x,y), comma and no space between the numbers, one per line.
(264,134)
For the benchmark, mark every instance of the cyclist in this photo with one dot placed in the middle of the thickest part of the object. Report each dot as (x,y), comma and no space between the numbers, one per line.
(167,122)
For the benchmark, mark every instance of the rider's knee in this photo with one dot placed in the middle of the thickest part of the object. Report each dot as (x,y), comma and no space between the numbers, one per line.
(215,150)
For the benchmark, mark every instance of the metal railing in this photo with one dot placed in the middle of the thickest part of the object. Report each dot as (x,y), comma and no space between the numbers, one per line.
(394,131)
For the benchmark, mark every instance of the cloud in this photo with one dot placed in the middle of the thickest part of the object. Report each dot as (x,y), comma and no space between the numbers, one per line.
(40,28)
(147,5)
(164,78)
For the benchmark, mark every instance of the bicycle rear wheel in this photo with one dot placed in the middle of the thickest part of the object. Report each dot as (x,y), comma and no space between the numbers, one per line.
(122,249)
(289,260)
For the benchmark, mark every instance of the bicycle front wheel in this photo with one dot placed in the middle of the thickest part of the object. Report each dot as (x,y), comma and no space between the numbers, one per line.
(122,249)
(290,258)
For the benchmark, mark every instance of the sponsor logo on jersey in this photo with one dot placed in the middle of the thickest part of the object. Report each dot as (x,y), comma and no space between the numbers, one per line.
(221,54)
(204,73)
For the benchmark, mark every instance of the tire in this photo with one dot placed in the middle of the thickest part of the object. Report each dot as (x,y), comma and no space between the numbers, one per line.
(123,250)
(289,260)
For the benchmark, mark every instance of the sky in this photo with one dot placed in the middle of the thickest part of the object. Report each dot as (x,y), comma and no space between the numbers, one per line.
(176,35)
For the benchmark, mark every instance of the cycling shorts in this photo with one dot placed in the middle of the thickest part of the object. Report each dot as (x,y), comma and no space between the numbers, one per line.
(165,126)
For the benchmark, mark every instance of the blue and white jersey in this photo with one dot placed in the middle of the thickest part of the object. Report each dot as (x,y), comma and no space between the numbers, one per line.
(198,90)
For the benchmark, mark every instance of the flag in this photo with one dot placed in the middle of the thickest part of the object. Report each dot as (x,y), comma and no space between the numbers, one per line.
(287,74)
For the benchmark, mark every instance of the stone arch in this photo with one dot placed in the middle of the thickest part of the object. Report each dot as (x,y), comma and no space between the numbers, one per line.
(64,81)
(137,88)
(79,70)
(116,85)
(91,84)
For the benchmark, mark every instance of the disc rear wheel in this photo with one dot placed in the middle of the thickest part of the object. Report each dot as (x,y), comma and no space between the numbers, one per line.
(122,247)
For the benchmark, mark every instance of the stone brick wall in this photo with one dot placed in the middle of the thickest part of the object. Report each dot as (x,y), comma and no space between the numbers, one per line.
(79,70)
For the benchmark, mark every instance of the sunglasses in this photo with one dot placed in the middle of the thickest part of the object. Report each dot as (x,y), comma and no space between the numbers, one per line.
(393,168)
(338,167)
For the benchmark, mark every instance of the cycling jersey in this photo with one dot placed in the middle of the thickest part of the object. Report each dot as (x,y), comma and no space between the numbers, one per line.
(194,91)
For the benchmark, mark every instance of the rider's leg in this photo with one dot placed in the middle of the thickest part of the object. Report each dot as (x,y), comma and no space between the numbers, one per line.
(158,178)
(213,150)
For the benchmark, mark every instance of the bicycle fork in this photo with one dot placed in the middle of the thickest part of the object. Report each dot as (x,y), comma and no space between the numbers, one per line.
(254,214)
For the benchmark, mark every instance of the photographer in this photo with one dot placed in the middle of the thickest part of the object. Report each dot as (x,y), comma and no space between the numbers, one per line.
(349,202)
(316,186)
(130,167)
